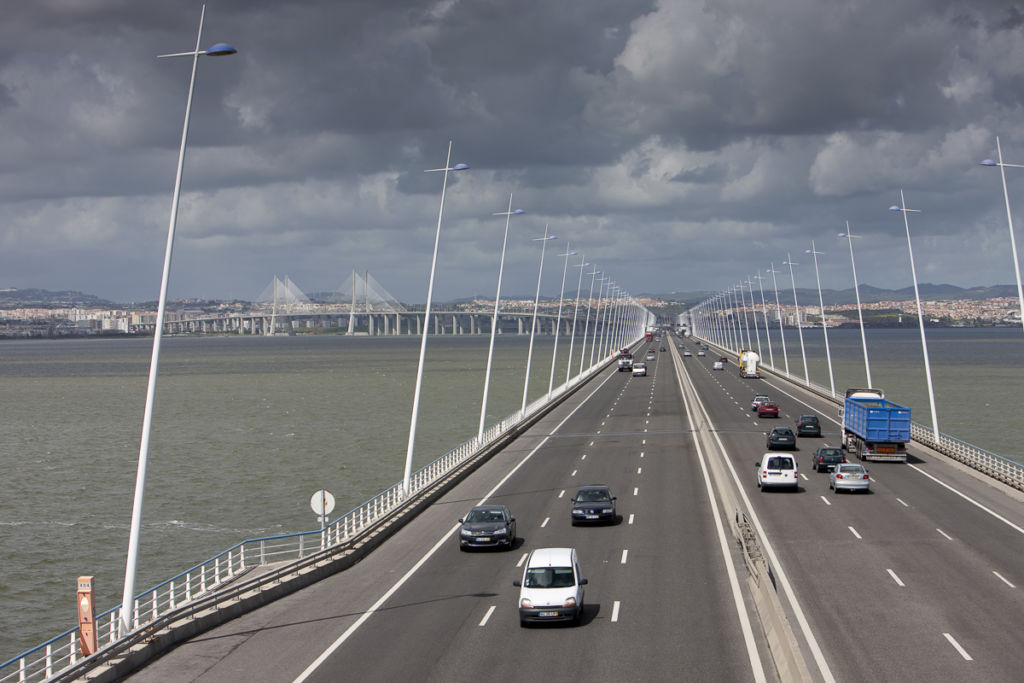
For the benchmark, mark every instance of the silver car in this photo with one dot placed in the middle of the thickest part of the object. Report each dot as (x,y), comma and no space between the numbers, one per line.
(849,477)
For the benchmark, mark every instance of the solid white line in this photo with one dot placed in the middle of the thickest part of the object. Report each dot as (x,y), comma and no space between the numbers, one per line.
(490,611)
(625,553)
(853,531)
(963,652)
(896,578)
(825,500)
(444,538)
(545,522)
(631,521)
(948,537)
(522,559)
(968,499)
(615,611)
(1003,579)
(900,501)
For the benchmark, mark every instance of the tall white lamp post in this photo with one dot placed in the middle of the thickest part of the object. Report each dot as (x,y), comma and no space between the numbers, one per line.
(558,320)
(536,300)
(575,312)
(1009,221)
(494,319)
(595,343)
(764,310)
(778,308)
(126,615)
(902,208)
(824,327)
(860,316)
(586,327)
(753,314)
(426,320)
(799,326)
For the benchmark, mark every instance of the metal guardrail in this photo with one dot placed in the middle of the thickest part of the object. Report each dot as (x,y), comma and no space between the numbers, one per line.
(1010,472)
(205,579)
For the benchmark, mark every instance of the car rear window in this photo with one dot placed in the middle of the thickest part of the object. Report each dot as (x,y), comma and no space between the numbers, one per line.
(780,463)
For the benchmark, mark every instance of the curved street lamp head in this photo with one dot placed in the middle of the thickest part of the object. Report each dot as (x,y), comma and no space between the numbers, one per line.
(987,162)
(219,50)
(514,212)
(456,167)
(544,239)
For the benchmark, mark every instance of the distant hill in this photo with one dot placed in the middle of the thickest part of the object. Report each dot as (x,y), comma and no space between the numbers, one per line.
(43,298)
(868,294)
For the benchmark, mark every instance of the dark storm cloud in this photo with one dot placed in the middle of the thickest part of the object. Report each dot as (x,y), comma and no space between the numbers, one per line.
(657,137)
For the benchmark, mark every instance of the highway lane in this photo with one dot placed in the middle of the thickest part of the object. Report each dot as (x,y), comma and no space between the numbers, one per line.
(659,605)
(906,583)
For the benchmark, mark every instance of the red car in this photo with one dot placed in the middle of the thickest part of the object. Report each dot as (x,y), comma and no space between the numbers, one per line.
(768,410)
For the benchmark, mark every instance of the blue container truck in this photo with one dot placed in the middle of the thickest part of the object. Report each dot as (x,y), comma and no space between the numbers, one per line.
(875,428)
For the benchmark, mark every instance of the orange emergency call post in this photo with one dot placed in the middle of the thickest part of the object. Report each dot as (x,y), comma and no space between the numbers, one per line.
(86,617)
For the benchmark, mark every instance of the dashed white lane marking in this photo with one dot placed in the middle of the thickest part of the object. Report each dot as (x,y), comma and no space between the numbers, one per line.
(615,611)
(490,611)
(900,501)
(636,490)
(574,473)
(854,532)
(641,454)
(625,554)
(597,432)
(639,470)
(521,560)
(643,442)
(1003,579)
(631,521)
(958,647)
(948,537)
(969,499)
(583,457)
(804,476)
(825,500)
(561,493)
(895,578)
(591,443)
(602,424)
(545,522)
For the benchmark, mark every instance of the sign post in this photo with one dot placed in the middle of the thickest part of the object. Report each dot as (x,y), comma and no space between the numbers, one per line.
(86,617)
(322,503)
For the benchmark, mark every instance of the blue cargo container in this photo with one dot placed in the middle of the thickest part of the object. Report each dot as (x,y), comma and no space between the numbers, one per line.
(875,428)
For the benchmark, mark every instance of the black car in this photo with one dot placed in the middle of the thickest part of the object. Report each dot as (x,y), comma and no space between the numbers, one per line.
(593,504)
(662,348)
(826,458)
(808,425)
(781,437)
(487,526)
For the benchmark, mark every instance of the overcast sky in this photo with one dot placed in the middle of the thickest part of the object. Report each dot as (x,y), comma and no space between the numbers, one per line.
(679,145)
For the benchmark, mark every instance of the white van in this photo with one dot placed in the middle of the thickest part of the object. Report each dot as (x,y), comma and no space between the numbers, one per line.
(778,470)
(551,588)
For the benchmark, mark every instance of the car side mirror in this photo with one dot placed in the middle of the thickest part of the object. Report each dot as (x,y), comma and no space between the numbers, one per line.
(512,519)
(461,521)
(573,499)
(583,582)
(757,463)
(517,583)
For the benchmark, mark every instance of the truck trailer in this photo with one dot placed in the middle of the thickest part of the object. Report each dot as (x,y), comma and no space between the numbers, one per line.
(874,428)
(749,364)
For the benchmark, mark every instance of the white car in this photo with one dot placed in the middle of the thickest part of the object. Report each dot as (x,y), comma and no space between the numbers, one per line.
(687,354)
(776,470)
(701,352)
(718,365)
(639,369)
(551,588)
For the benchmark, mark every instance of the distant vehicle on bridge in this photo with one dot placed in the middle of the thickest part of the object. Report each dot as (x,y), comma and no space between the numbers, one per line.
(875,428)
(749,364)
(649,336)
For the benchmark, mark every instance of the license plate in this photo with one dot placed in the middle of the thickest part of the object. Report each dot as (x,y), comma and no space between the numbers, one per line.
(591,516)
(484,539)
(886,449)
(547,614)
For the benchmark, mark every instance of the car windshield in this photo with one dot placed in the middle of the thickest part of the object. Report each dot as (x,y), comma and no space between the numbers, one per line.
(477,516)
(780,463)
(592,496)
(549,577)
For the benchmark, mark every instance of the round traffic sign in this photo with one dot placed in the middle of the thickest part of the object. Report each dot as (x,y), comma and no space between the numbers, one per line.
(322,502)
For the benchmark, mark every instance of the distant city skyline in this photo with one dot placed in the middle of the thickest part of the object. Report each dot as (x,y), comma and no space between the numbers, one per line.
(676,145)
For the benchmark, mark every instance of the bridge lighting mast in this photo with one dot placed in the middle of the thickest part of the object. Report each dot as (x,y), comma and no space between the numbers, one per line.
(558,319)
(575,313)
(536,300)
(902,208)
(824,327)
(778,308)
(1009,221)
(764,310)
(753,314)
(799,325)
(494,319)
(860,316)
(586,327)
(596,343)
(426,320)
(125,618)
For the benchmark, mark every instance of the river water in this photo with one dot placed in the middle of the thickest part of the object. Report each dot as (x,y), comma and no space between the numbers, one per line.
(247,428)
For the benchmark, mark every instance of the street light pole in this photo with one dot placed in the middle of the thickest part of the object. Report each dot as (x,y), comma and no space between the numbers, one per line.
(426,321)
(494,319)
(596,342)
(558,320)
(764,311)
(1009,222)
(778,308)
(902,208)
(860,316)
(753,314)
(799,325)
(536,300)
(586,327)
(824,327)
(576,310)
(127,612)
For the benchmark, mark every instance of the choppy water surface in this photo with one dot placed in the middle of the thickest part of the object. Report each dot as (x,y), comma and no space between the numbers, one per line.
(246,429)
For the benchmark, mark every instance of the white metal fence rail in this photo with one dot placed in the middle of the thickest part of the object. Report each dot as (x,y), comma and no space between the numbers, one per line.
(63,651)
